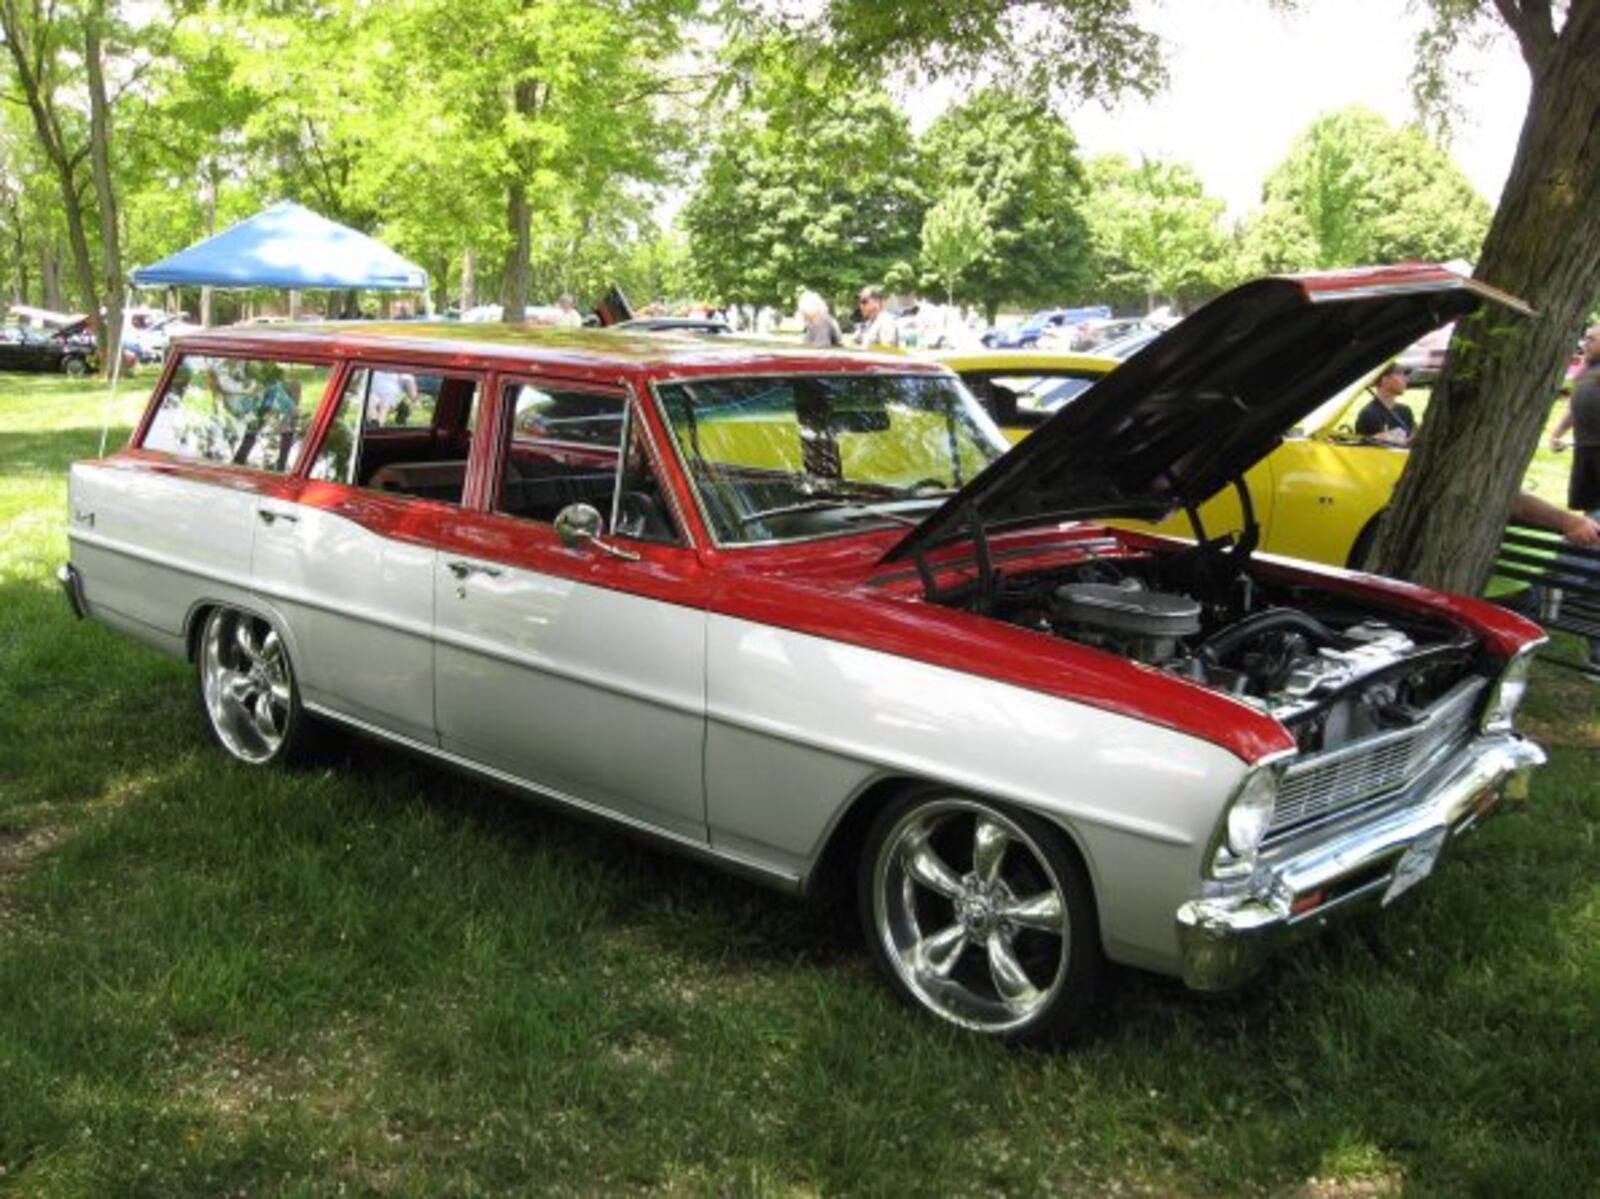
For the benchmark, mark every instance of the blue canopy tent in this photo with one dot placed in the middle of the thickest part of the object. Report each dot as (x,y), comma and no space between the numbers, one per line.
(291,247)
(284,246)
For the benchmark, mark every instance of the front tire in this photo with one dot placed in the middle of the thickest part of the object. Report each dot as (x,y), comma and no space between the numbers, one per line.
(247,688)
(75,367)
(980,915)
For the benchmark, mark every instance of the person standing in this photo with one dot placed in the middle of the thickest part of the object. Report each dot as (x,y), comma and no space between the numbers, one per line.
(1582,419)
(877,328)
(567,315)
(820,327)
(1385,418)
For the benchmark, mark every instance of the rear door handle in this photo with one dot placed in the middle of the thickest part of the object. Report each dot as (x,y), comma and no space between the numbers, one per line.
(462,570)
(268,516)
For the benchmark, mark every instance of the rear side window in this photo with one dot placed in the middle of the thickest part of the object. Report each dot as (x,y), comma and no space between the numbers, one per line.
(238,411)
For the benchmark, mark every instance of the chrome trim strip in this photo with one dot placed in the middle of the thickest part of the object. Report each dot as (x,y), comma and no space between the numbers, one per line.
(739,863)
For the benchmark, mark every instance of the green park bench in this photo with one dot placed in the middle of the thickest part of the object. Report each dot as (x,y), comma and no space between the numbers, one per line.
(1564,581)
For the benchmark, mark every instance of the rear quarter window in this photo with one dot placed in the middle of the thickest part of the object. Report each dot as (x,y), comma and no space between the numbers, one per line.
(253,412)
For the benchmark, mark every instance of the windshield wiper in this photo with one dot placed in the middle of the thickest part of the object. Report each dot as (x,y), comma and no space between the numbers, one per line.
(821,498)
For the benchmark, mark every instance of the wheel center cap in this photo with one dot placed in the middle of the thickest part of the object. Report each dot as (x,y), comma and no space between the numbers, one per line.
(976,912)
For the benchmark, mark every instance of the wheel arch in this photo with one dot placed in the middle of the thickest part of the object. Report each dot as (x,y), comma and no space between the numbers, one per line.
(833,868)
(195,619)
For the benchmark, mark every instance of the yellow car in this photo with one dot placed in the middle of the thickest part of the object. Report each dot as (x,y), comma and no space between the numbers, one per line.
(1316,496)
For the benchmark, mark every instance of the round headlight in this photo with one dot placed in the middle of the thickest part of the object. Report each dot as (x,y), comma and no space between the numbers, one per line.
(1252,811)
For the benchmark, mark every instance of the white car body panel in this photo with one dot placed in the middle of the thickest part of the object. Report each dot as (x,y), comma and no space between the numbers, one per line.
(534,672)
(798,724)
(357,609)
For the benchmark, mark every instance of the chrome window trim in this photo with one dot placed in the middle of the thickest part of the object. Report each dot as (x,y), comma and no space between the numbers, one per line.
(655,384)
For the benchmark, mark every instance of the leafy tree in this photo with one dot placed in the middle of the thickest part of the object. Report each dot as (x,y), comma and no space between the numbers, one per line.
(955,234)
(809,188)
(1158,235)
(1355,189)
(69,65)
(1064,48)
(1490,405)
(1021,161)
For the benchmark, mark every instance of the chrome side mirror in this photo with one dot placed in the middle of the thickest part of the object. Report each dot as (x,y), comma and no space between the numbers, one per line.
(581,524)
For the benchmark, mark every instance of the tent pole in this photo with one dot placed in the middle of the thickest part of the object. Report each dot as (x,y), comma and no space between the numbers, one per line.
(427,299)
(116,372)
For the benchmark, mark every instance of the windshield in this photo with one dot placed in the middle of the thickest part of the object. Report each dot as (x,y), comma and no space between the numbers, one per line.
(789,457)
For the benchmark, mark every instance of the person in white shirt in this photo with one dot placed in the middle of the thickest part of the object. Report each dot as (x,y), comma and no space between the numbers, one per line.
(568,317)
(877,326)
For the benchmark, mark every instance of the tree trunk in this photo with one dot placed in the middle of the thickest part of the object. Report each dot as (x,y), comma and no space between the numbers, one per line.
(1493,399)
(469,280)
(514,293)
(50,278)
(519,216)
(104,187)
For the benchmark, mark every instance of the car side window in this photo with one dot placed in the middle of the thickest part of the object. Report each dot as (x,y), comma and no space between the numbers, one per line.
(562,446)
(252,412)
(401,432)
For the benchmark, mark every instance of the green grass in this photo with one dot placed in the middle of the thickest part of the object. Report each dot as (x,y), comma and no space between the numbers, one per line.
(373,977)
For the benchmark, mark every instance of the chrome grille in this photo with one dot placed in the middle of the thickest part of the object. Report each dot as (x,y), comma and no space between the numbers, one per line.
(1328,783)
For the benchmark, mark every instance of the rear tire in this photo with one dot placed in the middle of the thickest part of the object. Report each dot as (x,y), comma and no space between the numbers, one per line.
(980,915)
(247,689)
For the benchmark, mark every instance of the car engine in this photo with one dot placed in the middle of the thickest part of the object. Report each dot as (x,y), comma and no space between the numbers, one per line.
(1334,670)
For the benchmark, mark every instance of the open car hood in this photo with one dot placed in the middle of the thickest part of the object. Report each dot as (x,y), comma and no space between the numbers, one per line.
(1205,401)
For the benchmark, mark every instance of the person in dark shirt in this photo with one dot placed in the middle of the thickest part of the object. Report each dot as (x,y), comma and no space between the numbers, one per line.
(1385,418)
(1582,418)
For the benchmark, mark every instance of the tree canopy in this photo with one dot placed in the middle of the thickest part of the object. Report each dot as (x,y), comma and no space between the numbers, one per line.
(1354,188)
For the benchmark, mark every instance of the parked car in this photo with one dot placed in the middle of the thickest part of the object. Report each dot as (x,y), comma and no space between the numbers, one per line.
(804,616)
(1089,336)
(1031,330)
(1424,358)
(69,349)
(706,326)
(1317,496)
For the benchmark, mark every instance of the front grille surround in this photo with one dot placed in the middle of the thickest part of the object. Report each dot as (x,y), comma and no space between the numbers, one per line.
(1332,784)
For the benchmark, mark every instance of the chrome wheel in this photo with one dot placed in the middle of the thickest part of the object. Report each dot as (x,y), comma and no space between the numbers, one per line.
(246,685)
(977,915)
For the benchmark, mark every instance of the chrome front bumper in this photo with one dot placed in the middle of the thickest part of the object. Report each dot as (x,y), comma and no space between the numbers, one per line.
(1299,886)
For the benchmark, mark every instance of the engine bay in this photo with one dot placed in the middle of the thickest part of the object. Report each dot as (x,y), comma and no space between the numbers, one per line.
(1333,669)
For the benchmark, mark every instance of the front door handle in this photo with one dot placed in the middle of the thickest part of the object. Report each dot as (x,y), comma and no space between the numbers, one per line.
(269,517)
(462,570)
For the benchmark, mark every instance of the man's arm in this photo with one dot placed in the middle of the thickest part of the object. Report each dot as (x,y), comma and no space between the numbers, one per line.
(1574,526)
(1562,427)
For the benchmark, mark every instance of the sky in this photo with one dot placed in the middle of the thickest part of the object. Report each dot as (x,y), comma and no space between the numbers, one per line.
(1246,79)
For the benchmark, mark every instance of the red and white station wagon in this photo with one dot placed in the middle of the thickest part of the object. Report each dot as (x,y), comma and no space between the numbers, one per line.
(803,615)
